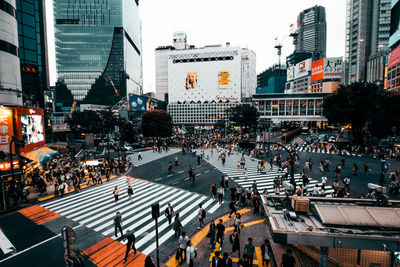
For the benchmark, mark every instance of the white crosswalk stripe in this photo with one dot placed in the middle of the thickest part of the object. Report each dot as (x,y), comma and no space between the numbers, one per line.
(263,180)
(149,156)
(95,208)
(303,147)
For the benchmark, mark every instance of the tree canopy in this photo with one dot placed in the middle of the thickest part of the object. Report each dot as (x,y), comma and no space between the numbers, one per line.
(243,115)
(157,123)
(366,107)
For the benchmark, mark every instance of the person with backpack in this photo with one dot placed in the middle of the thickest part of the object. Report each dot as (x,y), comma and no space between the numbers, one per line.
(191,253)
(201,214)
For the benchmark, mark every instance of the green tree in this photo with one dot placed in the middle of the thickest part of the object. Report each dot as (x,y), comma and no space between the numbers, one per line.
(63,94)
(386,116)
(127,131)
(156,123)
(356,103)
(87,121)
(108,121)
(243,115)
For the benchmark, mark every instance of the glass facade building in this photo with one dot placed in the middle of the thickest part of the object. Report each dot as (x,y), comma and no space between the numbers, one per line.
(98,45)
(32,51)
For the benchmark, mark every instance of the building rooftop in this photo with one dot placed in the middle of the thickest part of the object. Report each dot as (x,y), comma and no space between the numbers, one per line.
(334,222)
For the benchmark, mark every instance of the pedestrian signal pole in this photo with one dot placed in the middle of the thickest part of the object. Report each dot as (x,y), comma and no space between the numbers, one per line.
(155,212)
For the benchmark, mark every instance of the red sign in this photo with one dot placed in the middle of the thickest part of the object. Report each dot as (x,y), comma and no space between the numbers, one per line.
(29,69)
(6,166)
(394,57)
(317,70)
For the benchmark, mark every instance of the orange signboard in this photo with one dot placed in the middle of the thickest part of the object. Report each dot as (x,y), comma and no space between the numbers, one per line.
(6,166)
(6,129)
(317,70)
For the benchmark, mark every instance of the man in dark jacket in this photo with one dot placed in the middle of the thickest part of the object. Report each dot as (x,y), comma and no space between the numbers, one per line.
(131,244)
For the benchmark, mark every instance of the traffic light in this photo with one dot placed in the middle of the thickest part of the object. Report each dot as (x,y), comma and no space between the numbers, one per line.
(155,210)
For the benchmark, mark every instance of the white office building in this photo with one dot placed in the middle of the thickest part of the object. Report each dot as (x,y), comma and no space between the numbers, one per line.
(10,75)
(202,83)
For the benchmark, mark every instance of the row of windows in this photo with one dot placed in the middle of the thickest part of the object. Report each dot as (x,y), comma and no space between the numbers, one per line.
(202,59)
(8,48)
(310,107)
(6,7)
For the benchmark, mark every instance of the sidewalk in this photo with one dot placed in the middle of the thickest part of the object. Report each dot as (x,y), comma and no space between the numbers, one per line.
(255,227)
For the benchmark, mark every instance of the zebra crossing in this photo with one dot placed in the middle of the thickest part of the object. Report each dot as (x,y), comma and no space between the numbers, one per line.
(309,149)
(149,156)
(95,209)
(263,180)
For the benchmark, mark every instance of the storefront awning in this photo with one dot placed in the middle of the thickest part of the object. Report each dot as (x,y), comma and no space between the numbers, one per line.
(41,155)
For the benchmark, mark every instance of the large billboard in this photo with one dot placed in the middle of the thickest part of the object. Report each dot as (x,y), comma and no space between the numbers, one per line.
(137,102)
(326,68)
(394,57)
(394,23)
(333,68)
(223,78)
(191,80)
(30,128)
(302,68)
(6,129)
(317,70)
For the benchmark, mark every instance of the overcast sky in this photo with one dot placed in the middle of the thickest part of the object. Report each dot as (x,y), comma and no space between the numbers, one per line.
(252,23)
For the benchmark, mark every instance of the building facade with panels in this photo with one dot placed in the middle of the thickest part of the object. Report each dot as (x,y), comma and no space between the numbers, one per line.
(367,33)
(393,68)
(10,75)
(204,82)
(98,42)
(290,107)
(32,51)
(311,24)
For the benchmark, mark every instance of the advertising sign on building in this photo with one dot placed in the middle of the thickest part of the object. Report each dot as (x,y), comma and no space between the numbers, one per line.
(333,68)
(137,102)
(223,78)
(6,129)
(191,80)
(290,73)
(30,128)
(302,68)
(394,57)
(317,70)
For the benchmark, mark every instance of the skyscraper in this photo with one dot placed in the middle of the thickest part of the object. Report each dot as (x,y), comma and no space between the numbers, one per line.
(311,25)
(10,76)
(98,48)
(367,33)
(32,51)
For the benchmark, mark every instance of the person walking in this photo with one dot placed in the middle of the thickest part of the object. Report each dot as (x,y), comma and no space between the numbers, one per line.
(217,261)
(182,245)
(191,253)
(213,190)
(139,156)
(238,222)
(116,194)
(118,224)
(232,206)
(221,193)
(177,225)
(130,192)
(170,171)
(131,244)
(211,234)
(355,169)
(220,233)
(169,211)
(227,261)
(245,174)
(366,168)
(266,251)
(235,240)
(346,182)
(249,250)
(201,214)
